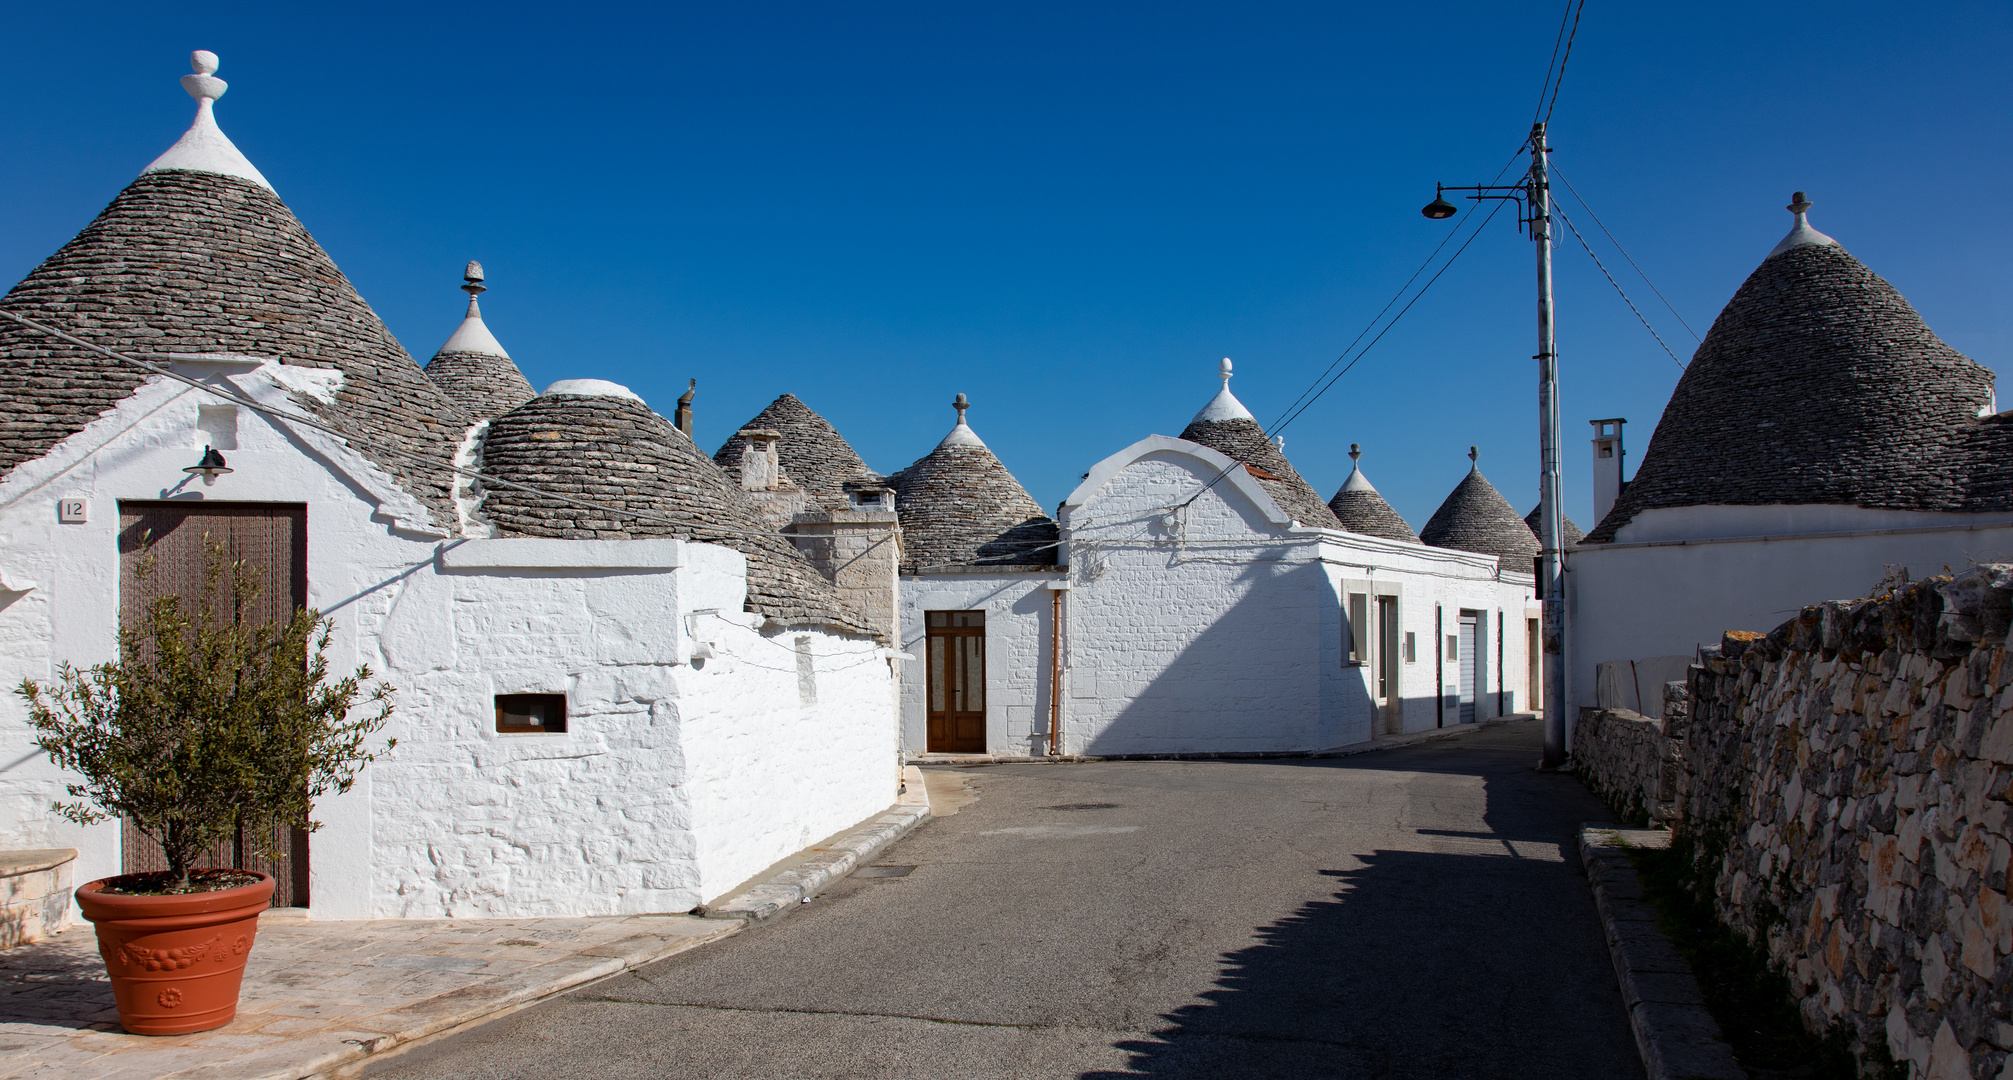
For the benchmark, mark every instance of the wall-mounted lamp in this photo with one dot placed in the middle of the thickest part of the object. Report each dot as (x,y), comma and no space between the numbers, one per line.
(211,467)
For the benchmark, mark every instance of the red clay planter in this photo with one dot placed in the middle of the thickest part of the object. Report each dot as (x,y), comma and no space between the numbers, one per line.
(176,961)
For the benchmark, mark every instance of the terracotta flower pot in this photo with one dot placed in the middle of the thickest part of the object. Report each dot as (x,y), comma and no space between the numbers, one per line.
(176,961)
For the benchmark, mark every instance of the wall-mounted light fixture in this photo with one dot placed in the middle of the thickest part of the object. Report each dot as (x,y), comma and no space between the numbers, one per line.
(211,467)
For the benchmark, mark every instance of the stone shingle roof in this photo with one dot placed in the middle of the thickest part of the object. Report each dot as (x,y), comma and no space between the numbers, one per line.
(1818,383)
(200,262)
(485,386)
(615,451)
(1477,518)
(1360,509)
(814,455)
(960,507)
(1242,440)
(1574,534)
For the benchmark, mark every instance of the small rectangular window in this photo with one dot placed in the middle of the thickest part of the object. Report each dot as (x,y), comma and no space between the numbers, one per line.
(1453,646)
(1356,635)
(538,714)
(1411,647)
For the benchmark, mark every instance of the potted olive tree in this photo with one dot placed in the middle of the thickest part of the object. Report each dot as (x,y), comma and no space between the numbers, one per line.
(212,720)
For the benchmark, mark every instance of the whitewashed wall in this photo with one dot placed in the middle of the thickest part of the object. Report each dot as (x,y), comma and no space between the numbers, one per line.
(670,781)
(1019,615)
(1679,578)
(1219,628)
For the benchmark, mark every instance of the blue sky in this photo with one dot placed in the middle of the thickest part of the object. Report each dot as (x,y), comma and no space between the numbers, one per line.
(1067,212)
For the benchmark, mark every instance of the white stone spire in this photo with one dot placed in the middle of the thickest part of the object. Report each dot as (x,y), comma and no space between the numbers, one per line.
(1224,406)
(1357,481)
(1801,233)
(205,147)
(962,434)
(473,336)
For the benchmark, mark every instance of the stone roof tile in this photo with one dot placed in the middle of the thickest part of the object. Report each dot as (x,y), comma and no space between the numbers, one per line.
(960,507)
(1242,440)
(1477,518)
(812,452)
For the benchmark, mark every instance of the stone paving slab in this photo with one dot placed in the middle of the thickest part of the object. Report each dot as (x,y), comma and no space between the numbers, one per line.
(319,995)
(1678,1038)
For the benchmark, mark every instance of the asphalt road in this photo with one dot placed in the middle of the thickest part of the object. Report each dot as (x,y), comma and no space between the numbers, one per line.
(1410,913)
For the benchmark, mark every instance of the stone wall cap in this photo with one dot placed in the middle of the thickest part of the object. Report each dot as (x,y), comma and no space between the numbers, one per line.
(31,860)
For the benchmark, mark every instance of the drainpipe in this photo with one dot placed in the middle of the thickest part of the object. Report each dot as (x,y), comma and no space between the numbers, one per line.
(1056,589)
(1439,667)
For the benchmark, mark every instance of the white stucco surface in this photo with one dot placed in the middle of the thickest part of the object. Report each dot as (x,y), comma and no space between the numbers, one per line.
(1668,598)
(1200,620)
(672,778)
(1019,625)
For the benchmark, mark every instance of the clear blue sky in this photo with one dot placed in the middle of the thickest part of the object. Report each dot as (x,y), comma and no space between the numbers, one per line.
(1067,211)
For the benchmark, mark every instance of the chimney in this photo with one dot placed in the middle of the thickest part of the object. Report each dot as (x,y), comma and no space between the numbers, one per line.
(1608,482)
(681,418)
(761,468)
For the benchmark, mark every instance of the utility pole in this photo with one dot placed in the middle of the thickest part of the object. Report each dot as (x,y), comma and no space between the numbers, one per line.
(1551,529)
(1535,193)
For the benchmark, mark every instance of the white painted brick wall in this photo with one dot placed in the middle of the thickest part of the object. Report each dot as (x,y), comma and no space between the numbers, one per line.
(670,783)
(1019,613)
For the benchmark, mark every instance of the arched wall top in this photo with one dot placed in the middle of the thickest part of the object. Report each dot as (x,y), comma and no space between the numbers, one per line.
(1235,475)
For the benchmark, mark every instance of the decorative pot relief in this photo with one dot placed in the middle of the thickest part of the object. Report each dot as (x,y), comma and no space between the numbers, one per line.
(167,959)
(169,998)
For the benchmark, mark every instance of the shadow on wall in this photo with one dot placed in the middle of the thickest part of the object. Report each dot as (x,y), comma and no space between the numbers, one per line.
(1252,680)
(1477,954)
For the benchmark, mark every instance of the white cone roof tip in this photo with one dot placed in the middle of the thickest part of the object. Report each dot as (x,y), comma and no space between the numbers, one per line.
(473,336)
(1358,482)
(591,388)
(962,435)
(205,147)
(1224,406)
(1801,233)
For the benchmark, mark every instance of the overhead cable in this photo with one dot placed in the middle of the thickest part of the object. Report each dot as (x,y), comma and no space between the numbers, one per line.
(1618,287)
(1625,252)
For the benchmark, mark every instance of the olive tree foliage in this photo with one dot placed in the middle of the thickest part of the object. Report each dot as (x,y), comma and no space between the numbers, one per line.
(211,720)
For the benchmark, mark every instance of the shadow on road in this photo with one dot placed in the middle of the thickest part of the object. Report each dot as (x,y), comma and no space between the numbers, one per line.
(1477,954)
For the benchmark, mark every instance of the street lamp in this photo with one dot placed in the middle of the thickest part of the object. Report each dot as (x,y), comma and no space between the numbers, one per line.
(1534,197)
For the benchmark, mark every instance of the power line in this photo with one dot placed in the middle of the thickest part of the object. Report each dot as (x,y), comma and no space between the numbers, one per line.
(1625,253)
(239,397)
(1552,64)
(1618,288)
(1560,81)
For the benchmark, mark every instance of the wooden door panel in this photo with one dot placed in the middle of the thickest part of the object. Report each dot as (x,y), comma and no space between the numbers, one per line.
(272,538)
(956,681)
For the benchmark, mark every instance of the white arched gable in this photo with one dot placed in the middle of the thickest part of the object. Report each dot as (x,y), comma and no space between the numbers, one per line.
(1235,476)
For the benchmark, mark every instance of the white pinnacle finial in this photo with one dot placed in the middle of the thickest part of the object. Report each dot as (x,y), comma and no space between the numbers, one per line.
(962,433)
(1801,233)
(473,335)
(1224,406)
(205,147)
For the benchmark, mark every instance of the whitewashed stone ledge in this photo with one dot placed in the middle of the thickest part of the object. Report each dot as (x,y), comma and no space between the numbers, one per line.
(817,867)
(1675,1034)
(34,894)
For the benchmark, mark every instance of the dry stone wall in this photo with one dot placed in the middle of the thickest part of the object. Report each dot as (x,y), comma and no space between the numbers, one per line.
(1627,759)
(1845,784)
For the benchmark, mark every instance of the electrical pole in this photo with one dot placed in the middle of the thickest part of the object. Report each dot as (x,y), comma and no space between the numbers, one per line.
(1551,529)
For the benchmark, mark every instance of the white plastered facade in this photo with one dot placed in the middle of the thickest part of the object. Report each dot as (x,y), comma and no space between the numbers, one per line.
(1019,649)
(673,782)
(1675,579)
(1220,626)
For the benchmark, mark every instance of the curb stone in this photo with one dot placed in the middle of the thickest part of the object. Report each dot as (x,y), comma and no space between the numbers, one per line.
(1677,1037)
(829,862)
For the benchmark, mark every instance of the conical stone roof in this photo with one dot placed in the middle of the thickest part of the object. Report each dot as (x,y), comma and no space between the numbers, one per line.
(605,446)
(1477,518)
(1574,534)
(1818,383)
(960,507)
(1360,509)
(1227,427)
(472,366)
(813,454)
(191,261)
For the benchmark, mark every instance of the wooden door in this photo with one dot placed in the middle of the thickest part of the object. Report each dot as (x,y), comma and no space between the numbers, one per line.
(271,538)
(1386,662)
(956,652)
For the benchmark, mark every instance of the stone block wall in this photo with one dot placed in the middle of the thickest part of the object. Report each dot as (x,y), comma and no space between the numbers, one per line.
(1845,785)
(1626,759)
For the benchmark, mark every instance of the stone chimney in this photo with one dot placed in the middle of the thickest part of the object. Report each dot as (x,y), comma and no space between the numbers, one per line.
(681,417)
(1608,481)
(778,500)
(860,551)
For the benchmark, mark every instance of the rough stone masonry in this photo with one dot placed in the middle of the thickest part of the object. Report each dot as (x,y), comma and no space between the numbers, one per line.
(1845,783)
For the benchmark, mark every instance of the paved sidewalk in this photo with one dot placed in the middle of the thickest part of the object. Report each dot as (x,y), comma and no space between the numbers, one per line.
(319,994)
